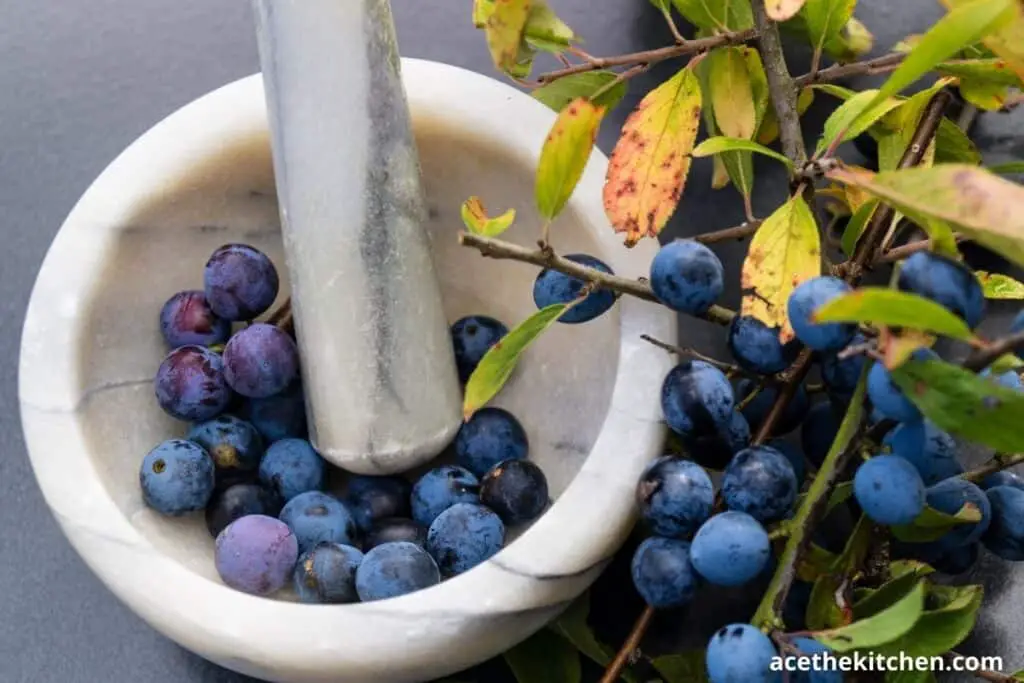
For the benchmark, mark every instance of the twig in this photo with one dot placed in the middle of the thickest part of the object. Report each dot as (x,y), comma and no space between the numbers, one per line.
(620,78)
(665,10)
(868,67)
(998,463)
(547,258)
(780,85)
(611,674)
(900,253)
(687,351)
(651,56)
(981,359)
(737,232)
(967,116)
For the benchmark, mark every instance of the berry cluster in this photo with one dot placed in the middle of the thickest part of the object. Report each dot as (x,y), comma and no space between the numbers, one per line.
(266,492)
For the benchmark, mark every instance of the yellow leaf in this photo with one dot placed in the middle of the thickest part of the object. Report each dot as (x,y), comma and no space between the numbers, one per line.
(481,11)
(648,168)
(474,215)
(1006,42)
(785,251)
(999,286)
(972,200)
(565,154)
(719,174)
(732,97)
(506,23)
(782,10)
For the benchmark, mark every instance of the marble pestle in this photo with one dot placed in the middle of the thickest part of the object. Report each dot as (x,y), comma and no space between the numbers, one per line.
(381,387)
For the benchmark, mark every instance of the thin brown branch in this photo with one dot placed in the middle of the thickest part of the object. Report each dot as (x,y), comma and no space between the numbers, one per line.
(998,463)
(737,232)
(667,12)
(780,85)
(982,358)
(869,67)
(794,377)
(651,56)
(614,670)
(546,258)
(900,253)
(694,353)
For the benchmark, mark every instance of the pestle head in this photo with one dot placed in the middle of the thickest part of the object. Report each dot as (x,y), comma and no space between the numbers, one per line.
(381,386)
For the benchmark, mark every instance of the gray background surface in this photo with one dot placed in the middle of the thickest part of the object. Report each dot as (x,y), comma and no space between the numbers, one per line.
(78,82)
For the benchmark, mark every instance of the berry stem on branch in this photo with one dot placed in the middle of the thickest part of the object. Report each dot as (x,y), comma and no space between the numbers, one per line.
(737,232)
(998,463)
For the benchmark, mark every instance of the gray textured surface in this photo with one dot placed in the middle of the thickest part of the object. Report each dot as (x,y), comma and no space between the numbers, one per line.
(80,82)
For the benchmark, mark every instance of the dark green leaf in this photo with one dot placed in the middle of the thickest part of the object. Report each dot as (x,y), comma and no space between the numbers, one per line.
(1009,168)
(545,30)
(544,658)
(824,609)
(856,225)
(933,524)
(856,115)
(994,71)
(559,93)
(815,562)
(984,95)
(999,286)
(721,143)
(952,146)
(882,306)
(900,568)
(883,627)
(940,630)
(573,626)
(826,19)
(688,667)
(890,593)
(964,404)
(732,15)
(840,494)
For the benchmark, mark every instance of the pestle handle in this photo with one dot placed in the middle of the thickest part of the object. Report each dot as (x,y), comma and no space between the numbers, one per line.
(381,387)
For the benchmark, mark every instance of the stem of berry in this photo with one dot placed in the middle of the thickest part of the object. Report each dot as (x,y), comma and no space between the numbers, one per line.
(998,463)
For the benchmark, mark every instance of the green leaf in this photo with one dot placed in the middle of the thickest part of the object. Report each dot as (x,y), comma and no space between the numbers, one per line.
(900,568)
(999,286)
(932,524)
(730,15)
(826,19)
(1006,362)
(545,30)
(544,658)
(889,593)
(893,308)
(573,626)
(823,611)
(559,93)
(1018,676)
(721,143)
(940,630)
(501,359)
(504,26)
(972,200)
(474,215)
(854,116)
(983,95)
(815,562)
(1009,168)
(903,122)
(840,494)
(995,71)
(565,155)
(688,667)
(964,404)
(952,146)
(834,90)
(883,627)
(856,225)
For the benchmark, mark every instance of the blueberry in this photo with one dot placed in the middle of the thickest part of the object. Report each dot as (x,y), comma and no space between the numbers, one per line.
(395,529)
(950,496)
(187,320)
(315,517)
(238,501)
(697,399)
(256,554)
(472,337)
(490,436)
(327,574)
(841,376)
(757,410)
(687,276)
(946,282)
(241,282)
(260,361)
(281,416)
(889,490)
(756,347)
(235,446)
(715,450)
(439,489)
(761,482)
(553,287)
(1002,478)
(291,467)
(740,653)
(371,499)
(823,673)
(805,300)
(929,449)
(1009,379)
(886,396)
(675,496)
(1005,535)
(463,536)
(516,490)
(190,384)
(395,569)
(662,572)
(730,549)
(958,560)
(177,477)
(818,432)
(794,455)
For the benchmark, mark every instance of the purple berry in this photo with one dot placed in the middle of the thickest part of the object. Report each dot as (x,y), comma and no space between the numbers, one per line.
(190,384)
(176,477)
(241,282)
(187,319)
(256,554)
(260,361)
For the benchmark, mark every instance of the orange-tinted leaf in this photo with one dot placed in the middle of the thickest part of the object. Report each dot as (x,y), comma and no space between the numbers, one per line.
(565,154)
(505,25)
(782,10)
(785,251)
(648,168)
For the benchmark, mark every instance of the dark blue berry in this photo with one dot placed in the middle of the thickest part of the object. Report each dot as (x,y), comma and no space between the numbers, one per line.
(761,482)
(187,320)
(887,397)
(808,647)
(805,300)
(889,490)
(1002,478)
(235,446)
(687,276)
(395,529)
(662,572)
(191,385)
(758,408)
(315,517)
(675,496)
(553,287)
(950,496)
(327,574)
(841,376)
(756,347)
(794,455)
(715,450)
(439,489)
(472,337)
(945,281)
(696,399)
(371,499)
(929,449)
(241,282)
(177,477)
(281,416)
(730,549)
(516,490)
(395,569)
(238,501)
(463,536)
(490,436)
(1005,535)
(260,361)
(291,467)
(740,653)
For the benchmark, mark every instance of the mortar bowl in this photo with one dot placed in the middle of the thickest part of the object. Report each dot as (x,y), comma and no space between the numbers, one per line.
(587,394)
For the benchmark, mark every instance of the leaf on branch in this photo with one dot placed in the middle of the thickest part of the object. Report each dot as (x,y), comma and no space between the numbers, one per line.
(717,15)
(964,404)
(952,146)
(721,143)
(505,25)
(481,11)
(891,307)
(903,122)
(544,658)
(891,592)
(847,45)
(826,19)
(854,116)
(984,96)
(501,359)
(545,30)
(565,154)
(732,97)
(994,71)
(1005,363)
(941,629)
(474,215)
(559,93)
(900,568)
(883,627)
(785,251)
(933,524)
(999,286)
(688,667)
(782,10)
(829,605)
(769,128)
(1008,40)
(972,200)
(648,167)
(815,562)
(719,174)
(856,225)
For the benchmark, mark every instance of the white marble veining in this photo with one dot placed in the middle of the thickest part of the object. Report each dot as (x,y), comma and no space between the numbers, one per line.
(588,395)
